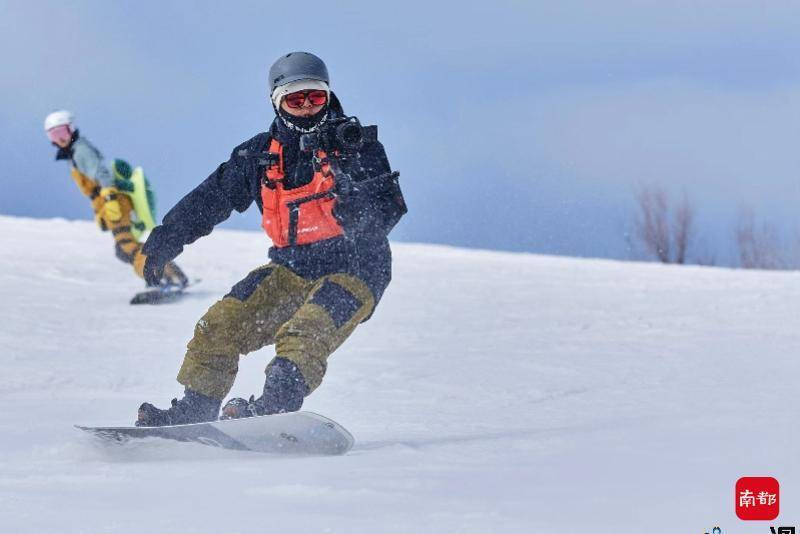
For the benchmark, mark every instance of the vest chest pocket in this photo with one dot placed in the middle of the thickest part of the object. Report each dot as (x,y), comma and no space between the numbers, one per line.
(271,216)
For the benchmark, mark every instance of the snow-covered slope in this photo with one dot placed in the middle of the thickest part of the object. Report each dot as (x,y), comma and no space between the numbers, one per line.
(491,392)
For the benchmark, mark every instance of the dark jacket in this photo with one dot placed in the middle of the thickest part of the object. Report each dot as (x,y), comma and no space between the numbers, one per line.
(366,216)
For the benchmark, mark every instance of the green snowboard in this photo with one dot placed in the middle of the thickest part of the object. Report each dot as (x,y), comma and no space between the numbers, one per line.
(133,183)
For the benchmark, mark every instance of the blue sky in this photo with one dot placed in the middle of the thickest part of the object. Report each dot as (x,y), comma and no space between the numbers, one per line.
(515,125)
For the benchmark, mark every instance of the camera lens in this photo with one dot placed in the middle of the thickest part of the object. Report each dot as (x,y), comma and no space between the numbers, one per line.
(349,134)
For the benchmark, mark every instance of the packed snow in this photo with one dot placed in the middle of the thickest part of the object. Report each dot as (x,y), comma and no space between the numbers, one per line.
(490,392)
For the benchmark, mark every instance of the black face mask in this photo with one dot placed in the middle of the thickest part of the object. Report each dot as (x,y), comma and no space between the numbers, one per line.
(66,153)
(303,124)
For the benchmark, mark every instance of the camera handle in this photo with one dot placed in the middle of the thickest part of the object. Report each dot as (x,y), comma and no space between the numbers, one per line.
(342,181)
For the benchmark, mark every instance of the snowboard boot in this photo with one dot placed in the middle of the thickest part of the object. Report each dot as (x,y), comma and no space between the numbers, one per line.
(192,408)
(284,390)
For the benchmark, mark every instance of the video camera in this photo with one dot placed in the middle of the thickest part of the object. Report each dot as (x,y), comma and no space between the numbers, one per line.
(341,135)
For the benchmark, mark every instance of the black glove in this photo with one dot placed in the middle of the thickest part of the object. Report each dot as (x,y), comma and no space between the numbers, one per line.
(370,206)
(151,268)
(349,212)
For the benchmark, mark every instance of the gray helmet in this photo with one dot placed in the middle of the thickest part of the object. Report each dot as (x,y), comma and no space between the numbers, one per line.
(296,66)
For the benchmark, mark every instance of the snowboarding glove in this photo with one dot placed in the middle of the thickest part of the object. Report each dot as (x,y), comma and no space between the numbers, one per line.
(148,268)
(111,210)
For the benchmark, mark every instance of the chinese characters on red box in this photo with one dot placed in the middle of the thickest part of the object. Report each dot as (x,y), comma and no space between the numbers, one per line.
(757,498)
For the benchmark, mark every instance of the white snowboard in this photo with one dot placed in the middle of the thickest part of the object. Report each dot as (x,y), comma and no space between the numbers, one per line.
(288,433)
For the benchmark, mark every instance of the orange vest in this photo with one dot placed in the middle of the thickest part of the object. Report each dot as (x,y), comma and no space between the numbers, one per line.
(301,215)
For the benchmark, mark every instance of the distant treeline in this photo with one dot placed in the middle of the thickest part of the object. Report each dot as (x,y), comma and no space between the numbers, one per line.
(665,229)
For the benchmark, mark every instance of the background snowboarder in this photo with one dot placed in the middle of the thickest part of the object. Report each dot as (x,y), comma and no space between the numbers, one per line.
(328,215)
(108,188)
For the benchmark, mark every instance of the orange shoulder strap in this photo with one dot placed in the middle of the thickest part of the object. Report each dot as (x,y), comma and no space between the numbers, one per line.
(275,172)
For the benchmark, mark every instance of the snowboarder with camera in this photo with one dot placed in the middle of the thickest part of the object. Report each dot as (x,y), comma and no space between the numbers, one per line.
(120,195)
(328,200)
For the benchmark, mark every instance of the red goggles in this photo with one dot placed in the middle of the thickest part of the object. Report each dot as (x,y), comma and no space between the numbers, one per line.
(297,100)
(60,133)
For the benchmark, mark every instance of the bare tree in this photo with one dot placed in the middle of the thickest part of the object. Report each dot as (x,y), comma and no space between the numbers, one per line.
(759,245)
(652,226)
(682,228)
(664,233)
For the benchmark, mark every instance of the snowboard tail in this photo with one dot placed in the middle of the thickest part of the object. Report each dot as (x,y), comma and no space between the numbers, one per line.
(162,294)
(297,433)
(159,295)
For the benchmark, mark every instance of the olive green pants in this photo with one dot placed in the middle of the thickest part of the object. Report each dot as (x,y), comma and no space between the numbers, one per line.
(305,319)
